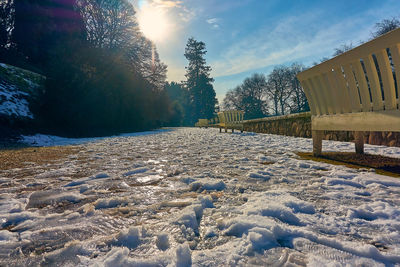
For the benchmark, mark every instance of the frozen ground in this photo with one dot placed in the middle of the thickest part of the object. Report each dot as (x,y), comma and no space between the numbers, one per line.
(195,196)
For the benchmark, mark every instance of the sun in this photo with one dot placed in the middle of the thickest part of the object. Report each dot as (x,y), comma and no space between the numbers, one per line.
(153,22)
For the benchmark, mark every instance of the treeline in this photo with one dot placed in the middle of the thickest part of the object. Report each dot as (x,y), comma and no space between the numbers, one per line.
(280,92)
(103,76)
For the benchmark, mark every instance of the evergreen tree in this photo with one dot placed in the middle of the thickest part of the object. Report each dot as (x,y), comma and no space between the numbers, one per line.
(198,82)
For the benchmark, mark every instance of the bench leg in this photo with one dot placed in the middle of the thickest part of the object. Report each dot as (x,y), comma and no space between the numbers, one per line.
(317,142)
(226,130)
(220,130)
(233,130)
(359,142)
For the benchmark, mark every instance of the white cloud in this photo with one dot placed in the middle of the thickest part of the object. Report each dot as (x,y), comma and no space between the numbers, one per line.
(213,22)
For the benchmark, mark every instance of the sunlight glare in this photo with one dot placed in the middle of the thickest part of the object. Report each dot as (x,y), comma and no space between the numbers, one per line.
(153,22)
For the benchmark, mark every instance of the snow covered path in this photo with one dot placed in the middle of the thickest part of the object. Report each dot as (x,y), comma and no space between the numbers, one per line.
(195,196)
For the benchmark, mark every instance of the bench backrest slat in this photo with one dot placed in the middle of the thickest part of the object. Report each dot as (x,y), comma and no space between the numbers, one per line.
(395,52)
(387,79)
(363,79)
(325,94)
(374,85)
(343,92)
(352,88)
(335,92)
(362,86)
(312,99)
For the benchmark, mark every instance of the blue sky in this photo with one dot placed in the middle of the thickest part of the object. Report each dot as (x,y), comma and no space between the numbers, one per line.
(247,36)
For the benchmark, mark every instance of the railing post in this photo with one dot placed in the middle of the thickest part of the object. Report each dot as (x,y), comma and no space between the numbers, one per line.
(317,142)
(359,142)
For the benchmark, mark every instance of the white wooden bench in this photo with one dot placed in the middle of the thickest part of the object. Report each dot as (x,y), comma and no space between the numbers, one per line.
(356,91)
(231,119)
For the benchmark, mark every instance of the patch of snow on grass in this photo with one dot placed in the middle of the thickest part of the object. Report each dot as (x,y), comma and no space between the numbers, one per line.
(13,102)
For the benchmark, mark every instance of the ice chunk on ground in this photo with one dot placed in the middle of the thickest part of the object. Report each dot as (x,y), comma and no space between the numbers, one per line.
(162,241)
(206,201)
(374,211)
(300,206)
(260,175)
(7,236)
(183,256)
(333,182)
(277,211)
(260,239)
(279,205)
(101,176)
(67,256)
(207,185)
(129,238)
(191,215)
(265,159)
(242,224)
(210,232)
(16,218)
(120,257)
(136,171)
(107,203)
(43,198)
(188,219)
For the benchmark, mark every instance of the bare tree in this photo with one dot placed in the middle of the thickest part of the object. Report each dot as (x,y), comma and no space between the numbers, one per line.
(385,26)
(109,23)
(249,96)
(143,57)
(232,99)
(299,100)
(343,48)
(278,89)
(112,25)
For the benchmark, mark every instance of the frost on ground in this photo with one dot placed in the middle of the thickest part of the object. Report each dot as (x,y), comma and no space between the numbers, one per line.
(198,197)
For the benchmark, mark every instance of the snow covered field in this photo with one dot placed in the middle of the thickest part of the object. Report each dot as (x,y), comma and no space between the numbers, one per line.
(195,196)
